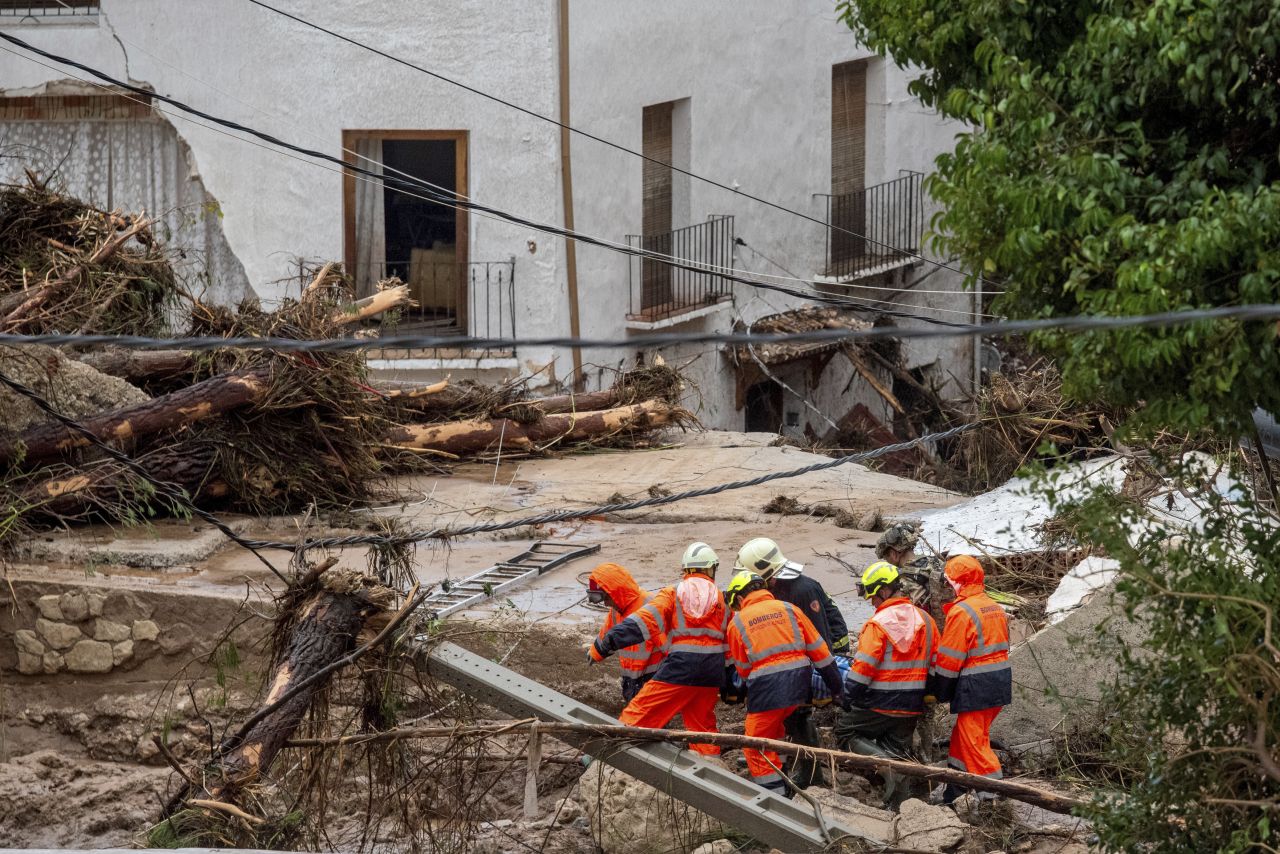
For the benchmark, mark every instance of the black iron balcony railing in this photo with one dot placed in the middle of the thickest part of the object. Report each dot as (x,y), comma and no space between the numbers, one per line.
(47,8)
(660,291)
(875,229)
(476,299)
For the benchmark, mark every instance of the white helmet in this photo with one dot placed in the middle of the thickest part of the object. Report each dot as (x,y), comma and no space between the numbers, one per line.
(700,557)
(762,556)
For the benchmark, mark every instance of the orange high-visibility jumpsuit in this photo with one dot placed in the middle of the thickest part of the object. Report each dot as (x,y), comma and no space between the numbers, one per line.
(639,662)
(896,649)
(774,648)
(972,670)
(692,616)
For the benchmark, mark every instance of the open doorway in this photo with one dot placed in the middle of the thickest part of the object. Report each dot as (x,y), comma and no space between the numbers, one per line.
(763,408)
(407,235)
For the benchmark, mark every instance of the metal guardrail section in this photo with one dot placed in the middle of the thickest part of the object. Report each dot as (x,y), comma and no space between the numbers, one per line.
(769,818)
(542,557)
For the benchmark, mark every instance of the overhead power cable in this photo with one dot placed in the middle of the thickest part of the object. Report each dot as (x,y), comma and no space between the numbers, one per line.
(437,195)
(1079,323)
(307,131)
(410,537)
(588,135)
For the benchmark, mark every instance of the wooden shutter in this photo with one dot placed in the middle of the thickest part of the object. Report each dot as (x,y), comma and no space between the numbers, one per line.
(656,213)
(848,127)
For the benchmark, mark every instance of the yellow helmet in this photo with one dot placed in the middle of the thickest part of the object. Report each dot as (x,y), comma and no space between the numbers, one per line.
(876,576)
(740,585)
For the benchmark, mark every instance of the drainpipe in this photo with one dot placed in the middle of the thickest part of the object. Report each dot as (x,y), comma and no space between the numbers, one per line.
(566,185)
(977,339)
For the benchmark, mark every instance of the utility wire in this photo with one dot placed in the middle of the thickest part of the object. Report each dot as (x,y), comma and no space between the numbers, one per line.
(306,131)
(586,134)
(173,492)
(437,196)
(410,537)
(1078,323)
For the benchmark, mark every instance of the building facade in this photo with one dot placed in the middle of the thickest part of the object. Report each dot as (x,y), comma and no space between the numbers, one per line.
(778,102)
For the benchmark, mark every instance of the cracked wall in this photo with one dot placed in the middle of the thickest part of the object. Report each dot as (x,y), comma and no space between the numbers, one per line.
(99,149)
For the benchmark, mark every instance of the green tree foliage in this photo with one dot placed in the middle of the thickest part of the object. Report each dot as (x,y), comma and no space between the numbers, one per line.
(1195,712)
(1125,162)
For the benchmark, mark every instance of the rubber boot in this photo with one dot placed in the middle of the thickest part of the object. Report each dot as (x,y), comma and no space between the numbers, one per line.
(800,728)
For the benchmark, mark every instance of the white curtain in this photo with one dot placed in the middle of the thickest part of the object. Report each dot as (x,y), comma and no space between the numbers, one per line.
(371,236)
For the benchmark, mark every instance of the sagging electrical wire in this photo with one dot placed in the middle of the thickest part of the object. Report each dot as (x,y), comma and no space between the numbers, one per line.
(587,135)
(454,201)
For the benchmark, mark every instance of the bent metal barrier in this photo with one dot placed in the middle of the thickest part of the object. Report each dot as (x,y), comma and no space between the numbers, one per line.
(789,825)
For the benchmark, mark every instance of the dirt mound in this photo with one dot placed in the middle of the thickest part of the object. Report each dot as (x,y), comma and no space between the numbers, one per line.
(50,799)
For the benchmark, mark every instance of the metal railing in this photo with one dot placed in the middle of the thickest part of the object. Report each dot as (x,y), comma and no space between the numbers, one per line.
(476,299)
(881,226)
(660,291)
(48,8)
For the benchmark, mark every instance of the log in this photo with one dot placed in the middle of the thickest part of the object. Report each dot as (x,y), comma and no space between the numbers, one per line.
(329,622)
(1043,798)
(589,402)
(140,366)
(106,487)
(475,436)
(210,397)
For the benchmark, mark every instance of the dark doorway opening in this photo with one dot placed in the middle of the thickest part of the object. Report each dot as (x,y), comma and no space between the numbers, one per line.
(764,408)
(422,236)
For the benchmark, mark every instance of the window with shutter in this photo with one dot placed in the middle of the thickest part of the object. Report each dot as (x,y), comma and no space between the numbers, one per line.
(656,202)
(848,159)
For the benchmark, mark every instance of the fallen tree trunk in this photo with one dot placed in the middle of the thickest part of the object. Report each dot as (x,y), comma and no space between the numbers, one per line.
(140,366)
(469,437)
(210,397)
(1051,801)
(329,622)
(108,487)
(560,403)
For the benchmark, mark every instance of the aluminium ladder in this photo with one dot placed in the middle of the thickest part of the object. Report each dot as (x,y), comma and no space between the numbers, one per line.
(789,825)
(542,557)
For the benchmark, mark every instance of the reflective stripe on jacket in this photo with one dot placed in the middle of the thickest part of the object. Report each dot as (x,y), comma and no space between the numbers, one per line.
(808,595)
(694,646)
(889,675)
(774,646)
(641,659)
(972,670)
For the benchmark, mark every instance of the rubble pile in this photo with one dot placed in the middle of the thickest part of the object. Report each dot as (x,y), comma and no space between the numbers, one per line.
(255,431)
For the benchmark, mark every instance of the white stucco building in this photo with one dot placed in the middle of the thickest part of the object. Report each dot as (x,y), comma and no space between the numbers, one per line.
(778,101)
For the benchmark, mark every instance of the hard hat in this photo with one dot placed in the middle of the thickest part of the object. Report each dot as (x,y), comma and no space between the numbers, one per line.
(742,583)
(763,556)
(903,537)
(875,577)
(700,556)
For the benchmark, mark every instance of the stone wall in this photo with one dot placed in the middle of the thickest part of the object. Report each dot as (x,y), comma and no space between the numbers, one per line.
(95,629)
(72,634)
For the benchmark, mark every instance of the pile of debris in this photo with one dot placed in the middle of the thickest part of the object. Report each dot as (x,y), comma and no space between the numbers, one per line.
(252,430)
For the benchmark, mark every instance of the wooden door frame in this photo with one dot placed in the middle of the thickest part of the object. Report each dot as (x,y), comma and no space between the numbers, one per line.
(461,139)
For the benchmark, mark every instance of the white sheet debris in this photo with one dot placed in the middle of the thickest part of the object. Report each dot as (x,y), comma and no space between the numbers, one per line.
(1075,588)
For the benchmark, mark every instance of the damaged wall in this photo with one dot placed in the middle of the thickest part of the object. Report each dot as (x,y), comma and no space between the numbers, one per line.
(100,153)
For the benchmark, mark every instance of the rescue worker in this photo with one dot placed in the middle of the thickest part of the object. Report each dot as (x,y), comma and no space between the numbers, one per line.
(787,583)
(610,584)
(972,672)
(692,616)
(774,648)
(922,576)
(885,689)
